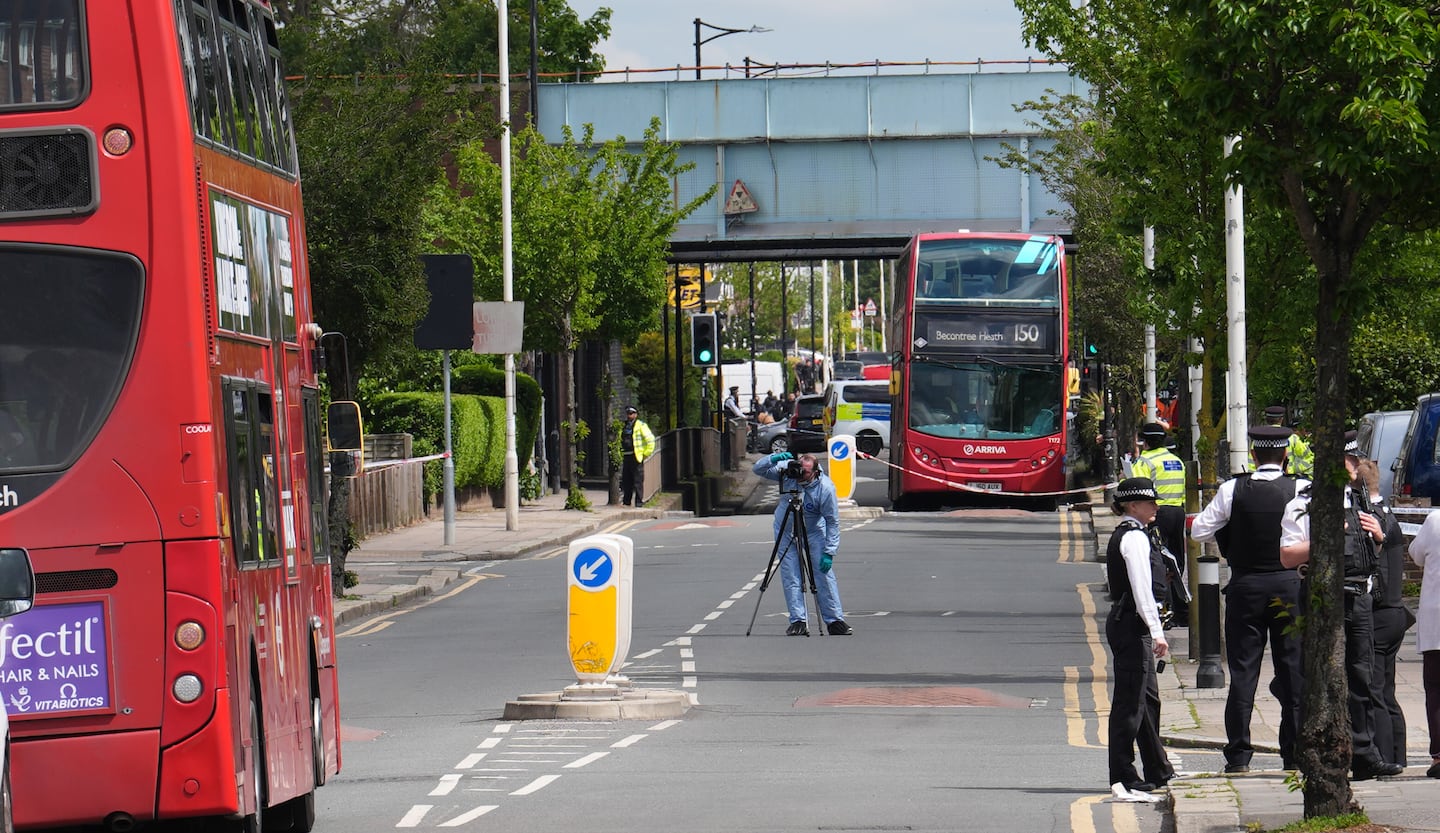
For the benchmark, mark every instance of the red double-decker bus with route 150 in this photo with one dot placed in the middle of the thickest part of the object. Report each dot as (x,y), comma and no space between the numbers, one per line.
(161,455)
(979,383)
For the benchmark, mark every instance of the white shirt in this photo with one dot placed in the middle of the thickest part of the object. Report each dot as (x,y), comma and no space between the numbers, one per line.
(1295,525)
(733,406)
(1426,547)
(1216,515)
(1135,549)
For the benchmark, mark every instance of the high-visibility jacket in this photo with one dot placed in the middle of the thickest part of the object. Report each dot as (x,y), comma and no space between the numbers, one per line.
(1299,459)
(644,440)
(1167,471)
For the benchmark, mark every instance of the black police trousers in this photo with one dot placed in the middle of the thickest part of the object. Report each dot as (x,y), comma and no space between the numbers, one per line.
(1135,702)
(1252,617)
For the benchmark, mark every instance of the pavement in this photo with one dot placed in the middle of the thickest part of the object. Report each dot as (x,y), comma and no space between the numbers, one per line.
(406,564)
(1262,799)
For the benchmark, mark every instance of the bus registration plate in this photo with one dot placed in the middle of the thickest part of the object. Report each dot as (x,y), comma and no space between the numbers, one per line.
(985,487)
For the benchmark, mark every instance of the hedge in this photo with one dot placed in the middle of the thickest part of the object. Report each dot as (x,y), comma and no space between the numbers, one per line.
(422,415)
(484,380)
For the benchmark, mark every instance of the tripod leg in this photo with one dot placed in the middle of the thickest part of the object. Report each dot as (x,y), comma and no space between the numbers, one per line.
(807,569)
(771,567)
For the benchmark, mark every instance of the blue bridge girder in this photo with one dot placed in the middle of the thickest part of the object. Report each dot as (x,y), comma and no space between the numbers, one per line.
(838,167)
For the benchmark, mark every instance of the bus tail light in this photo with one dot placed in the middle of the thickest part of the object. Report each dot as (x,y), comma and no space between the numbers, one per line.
(190,635)
(118,141)
(187,688)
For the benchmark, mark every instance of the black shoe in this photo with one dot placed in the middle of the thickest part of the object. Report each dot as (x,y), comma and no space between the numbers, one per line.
(1366,770)
(1433,771)
(1236,769)
(797,628)
(839,628)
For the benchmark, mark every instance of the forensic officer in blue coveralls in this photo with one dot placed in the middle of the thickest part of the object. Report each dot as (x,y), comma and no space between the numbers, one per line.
(821,512)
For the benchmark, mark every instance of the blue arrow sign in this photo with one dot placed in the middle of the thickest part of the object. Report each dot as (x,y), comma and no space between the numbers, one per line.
(593,568)
(839,451)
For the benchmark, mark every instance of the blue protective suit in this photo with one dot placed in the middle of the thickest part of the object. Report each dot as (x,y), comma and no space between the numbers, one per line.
(821,511)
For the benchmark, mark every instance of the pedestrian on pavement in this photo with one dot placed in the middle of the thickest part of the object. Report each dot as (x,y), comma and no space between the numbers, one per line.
(1363,536)
(1425,549)
(1262,597)
(1300,458)
(1167,472)
(1392,620)
(820,511)
(1135,574)
(637,442)
(770,404)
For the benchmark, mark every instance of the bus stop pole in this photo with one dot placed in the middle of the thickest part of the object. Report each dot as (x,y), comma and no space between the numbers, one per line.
(449,464)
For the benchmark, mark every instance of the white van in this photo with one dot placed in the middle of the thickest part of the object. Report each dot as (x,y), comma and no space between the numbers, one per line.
(769,376)
(861,409)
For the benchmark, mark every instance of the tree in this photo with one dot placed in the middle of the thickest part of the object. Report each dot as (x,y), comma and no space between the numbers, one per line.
(1335,102)
(592,230)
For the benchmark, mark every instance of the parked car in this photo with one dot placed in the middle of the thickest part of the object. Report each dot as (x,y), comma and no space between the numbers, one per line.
(1417,469)
(847,369)
(807,425)
(772,437)
(1379,436)
(861,409)
(17,595)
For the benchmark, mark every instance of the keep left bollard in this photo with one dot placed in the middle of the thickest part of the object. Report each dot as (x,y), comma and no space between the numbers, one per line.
(598,626)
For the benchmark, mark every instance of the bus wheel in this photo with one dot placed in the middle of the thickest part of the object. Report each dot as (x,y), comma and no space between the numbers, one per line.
(255,822)
(7,820)
(317,740)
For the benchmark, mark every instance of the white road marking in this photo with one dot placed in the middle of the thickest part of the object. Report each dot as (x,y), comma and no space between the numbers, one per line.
(738,596)
(415,815)
(696,628)
(471,760)
(628,741)
(688,665)
(469,815)
(687,653)
(687,682)
(447,784)
(682,641)
(663,725)
(587,759)
(648,654)
(489,743)
(713,615)
(536,785)
(502,728)
(547,746)
(726,604)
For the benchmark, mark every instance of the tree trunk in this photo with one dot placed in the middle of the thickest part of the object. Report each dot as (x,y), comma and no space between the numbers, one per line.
(341,539)
(1324,745)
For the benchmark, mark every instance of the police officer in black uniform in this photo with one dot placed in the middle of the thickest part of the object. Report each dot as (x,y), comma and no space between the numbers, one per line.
(1135,574)
(1364,533)
(1391,619)
(1262,596)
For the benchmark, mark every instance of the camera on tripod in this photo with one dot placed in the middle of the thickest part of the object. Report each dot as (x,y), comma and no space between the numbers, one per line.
(793,469)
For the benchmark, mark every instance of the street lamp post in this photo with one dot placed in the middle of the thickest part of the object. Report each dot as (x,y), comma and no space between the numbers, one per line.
(720,32)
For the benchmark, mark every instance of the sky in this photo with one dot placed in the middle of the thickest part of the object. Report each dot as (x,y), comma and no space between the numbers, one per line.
(661,33)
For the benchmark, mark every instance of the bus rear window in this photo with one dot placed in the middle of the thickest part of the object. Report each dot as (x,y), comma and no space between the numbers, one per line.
(42,54)
(68,328)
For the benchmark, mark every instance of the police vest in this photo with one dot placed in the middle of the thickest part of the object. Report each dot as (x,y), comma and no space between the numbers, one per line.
(1250,540)
(1117,577)
(1360,557)
(1168,473)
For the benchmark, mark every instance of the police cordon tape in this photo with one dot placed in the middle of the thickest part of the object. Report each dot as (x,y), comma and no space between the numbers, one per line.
(376,465)
(966,487)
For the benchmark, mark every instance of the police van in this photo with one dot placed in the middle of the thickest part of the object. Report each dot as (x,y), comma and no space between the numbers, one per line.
(861,409)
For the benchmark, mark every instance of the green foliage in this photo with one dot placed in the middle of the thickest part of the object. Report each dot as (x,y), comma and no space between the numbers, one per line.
(531,486)
(488,381)
(1326,824)
(474,434)
(646,368)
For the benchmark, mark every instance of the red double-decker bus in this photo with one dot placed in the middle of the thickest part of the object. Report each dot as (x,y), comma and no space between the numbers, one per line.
(160,442)
(979,382)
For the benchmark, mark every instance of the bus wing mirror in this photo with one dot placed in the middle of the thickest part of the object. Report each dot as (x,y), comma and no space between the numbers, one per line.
(344,431)
(17,582)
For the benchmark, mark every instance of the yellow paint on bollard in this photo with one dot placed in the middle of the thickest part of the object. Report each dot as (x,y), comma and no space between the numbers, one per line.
(842,465)
(592,631)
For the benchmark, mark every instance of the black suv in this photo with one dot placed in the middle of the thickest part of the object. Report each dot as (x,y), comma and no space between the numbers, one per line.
(807,424)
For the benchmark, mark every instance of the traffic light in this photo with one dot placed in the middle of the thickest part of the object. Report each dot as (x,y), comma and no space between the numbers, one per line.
(704,340)
(1091,350)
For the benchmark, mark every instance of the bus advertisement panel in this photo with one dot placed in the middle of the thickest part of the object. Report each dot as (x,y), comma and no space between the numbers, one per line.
(979,393)
(160,413)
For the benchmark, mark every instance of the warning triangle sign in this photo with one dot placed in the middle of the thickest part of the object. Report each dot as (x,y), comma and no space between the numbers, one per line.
(740,201)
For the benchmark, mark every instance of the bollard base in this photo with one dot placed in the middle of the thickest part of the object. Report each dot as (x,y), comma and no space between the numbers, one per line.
(1210,674)
(630,704)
